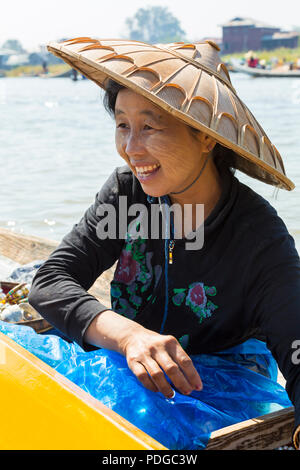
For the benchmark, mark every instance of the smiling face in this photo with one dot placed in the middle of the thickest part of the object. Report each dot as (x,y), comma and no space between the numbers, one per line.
(163,153)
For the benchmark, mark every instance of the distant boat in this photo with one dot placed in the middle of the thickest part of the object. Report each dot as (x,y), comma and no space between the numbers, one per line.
(260,72)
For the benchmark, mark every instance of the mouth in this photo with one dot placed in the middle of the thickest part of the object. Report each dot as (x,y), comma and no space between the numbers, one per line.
(144,173)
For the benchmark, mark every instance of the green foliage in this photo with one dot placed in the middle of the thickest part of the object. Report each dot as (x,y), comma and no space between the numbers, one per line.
(154,25)
(33,70)
(14,45)
(282,53)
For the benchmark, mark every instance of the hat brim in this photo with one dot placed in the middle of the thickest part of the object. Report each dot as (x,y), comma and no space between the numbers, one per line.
(101,60)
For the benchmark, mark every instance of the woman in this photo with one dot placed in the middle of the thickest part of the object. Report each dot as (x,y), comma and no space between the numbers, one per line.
(180,127)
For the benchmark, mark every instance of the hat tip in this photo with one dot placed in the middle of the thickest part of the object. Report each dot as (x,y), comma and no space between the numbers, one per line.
(213,44)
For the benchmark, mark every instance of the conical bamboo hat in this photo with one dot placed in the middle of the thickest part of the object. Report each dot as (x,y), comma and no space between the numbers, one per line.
(190,82)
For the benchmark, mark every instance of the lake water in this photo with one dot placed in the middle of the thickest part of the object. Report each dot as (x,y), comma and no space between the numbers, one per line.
(57,149)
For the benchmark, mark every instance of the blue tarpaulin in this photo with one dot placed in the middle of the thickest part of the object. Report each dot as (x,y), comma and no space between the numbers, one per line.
(233,390)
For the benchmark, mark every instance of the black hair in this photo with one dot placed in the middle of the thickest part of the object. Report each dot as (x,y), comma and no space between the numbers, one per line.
(111,92)
(224,158)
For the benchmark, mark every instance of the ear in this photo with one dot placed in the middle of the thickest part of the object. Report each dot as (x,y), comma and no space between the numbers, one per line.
(206,141)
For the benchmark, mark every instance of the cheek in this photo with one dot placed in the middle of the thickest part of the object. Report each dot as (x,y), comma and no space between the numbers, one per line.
(120,146)
(164,148)
(172,153)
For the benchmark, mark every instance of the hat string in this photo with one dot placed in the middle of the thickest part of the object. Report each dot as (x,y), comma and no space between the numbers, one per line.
(197,177)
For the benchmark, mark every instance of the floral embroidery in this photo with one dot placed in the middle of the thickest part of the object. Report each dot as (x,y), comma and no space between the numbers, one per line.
(184,341)
(195,297)
(128,268)
(116,291)
(135,280)
(179,296)
(124,308)
(134,275)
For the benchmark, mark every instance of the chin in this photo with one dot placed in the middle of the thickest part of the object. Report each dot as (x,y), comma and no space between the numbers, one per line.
(153,192)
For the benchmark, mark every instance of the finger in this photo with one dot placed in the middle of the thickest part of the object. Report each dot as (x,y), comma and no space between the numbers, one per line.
(158,377)
(174,372)
(142,375)
(187,367)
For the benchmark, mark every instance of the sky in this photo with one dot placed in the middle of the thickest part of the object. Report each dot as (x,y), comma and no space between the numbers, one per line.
(36,22)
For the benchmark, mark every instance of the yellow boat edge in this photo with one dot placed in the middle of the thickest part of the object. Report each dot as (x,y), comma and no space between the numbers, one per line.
(43,410)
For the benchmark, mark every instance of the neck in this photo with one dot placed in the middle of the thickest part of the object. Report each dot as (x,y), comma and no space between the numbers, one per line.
(207,191)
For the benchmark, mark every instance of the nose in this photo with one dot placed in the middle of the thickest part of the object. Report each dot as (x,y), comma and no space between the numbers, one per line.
(133,145)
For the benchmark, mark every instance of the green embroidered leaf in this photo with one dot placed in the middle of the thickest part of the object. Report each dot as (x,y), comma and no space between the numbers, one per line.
(211,306)
(131,288)
(212,291)
(135,300)
(178,298)
(115,291)
(184,340)
(178,291)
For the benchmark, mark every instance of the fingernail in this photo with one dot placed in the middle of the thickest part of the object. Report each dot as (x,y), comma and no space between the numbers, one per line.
(199,387)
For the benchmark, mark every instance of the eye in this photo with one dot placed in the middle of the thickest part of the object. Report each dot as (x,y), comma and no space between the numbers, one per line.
(147,127)
(122,125)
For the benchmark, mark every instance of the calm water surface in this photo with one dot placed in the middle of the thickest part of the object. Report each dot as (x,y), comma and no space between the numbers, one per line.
(57,149)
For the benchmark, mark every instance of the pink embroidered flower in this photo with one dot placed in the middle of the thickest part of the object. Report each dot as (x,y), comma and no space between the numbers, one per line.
(127,268)
(196,297)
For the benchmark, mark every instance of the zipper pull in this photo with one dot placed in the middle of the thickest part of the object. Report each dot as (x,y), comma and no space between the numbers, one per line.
(171,248)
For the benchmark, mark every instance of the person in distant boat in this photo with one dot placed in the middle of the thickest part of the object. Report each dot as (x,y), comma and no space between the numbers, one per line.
(74,75)
(252,62)
(203,263)
(262,63)
(45,67)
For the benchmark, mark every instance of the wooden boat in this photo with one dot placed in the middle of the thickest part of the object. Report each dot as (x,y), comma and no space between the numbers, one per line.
(40,325)
(50,412)
(279,72)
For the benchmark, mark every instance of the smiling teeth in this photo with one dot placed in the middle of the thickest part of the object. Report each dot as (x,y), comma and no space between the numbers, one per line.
(146,169)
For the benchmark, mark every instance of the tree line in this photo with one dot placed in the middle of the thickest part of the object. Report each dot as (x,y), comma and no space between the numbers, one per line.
(154,24)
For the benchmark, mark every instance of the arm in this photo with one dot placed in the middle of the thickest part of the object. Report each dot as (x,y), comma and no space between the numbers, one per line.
(273,298)
(59,289)
(148,353)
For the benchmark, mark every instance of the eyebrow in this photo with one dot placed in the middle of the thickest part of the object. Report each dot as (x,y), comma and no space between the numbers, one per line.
(146,112)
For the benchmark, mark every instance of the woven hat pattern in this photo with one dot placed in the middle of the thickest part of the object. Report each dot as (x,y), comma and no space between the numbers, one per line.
(190,82)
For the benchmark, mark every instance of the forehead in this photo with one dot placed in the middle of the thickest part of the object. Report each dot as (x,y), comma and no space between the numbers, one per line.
(130,102)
